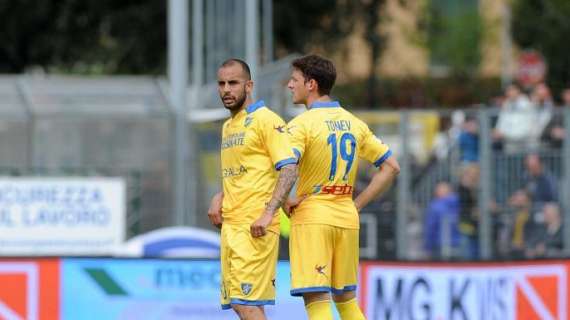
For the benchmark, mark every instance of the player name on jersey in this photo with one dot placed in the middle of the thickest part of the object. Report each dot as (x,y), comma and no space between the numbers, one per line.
(338,125)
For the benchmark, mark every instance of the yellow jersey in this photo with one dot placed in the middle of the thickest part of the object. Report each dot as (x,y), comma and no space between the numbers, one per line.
(255,145)
(328,141)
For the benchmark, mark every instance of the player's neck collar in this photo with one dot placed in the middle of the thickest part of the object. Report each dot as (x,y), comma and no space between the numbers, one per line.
(324,104)
(254,106)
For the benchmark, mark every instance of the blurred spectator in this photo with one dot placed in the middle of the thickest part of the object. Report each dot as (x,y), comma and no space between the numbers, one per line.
(469,141)
(521,227)
(468,214)
(549,244)
(540,184)
(554,133)
(441,233)
(515,122)
(544,108)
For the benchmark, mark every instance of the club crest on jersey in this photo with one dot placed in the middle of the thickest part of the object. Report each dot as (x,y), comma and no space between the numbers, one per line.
(246,288)
(247,121)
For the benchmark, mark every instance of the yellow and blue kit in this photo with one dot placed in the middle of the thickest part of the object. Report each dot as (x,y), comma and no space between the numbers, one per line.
(328,141)
(255,145)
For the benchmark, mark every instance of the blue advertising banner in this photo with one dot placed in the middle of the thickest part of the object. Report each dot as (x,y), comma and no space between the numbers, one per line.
(156,289)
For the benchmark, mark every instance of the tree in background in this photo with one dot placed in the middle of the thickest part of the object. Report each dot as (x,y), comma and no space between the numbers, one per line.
(301,24)
(544,25)
(83,36)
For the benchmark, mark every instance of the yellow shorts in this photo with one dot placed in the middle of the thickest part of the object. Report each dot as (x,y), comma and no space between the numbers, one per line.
(247,266)
(324,258)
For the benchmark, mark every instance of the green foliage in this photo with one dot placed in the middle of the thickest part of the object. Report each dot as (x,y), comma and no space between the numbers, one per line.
(454,35)
(544,25)
(83,36)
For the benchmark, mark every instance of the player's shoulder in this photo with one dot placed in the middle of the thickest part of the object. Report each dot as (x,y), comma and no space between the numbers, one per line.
(354,119)
(265,113)
(301,118)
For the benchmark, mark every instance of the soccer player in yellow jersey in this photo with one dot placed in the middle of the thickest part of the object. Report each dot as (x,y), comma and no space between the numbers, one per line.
(258,170)
(329,141)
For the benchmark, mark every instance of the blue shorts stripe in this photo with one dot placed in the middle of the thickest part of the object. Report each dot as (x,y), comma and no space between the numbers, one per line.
(252,302)
(299,292)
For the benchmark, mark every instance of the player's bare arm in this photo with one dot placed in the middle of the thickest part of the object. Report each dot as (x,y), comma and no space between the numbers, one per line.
(215,210)
(287,177)
(381,181)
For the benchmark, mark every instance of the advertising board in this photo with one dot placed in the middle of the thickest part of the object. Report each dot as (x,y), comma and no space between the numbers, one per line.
(157,289)
(61,216)
(465,291)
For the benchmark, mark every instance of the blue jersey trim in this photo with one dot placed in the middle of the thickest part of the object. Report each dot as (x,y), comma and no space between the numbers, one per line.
(324,104)
(252,302)
(297,153)
(226,306)
(254,106)
(383,158)
(299,292)
(285,162)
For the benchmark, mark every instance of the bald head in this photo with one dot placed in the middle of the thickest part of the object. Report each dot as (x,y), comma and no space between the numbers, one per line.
(246,73)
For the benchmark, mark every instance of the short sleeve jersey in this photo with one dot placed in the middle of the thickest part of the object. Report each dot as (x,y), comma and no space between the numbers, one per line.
(255,146)
(328,141)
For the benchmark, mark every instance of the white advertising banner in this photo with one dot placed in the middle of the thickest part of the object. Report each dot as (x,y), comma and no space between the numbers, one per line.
(61,216)
(501,292)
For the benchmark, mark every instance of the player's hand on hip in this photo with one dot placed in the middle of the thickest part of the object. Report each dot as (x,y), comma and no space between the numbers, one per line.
(215,210)
(259,227)
(293,203)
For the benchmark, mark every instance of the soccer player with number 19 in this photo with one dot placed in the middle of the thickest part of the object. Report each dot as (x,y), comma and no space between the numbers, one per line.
(328,141)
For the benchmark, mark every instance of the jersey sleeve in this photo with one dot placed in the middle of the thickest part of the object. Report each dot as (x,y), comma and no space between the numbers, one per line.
(276,140)
(297,134)
(373,149)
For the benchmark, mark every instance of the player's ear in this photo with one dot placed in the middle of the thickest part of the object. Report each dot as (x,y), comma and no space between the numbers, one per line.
(312,85)
(249,86)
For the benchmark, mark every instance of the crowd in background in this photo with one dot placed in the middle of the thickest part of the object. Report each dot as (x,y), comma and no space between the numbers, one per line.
(527,129)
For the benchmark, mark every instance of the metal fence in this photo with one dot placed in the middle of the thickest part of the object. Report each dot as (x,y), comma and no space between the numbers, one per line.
(123,127)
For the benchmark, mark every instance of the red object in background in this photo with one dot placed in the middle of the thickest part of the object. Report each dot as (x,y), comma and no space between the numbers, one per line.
(531,68)
(29,289)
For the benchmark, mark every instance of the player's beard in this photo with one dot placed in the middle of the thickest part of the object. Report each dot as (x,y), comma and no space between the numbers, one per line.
(237,102)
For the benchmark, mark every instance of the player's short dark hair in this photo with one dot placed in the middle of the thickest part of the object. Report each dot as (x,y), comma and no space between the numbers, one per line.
(242,63)
(319,69)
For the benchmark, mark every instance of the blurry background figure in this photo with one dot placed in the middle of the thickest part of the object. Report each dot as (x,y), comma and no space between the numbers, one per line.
(544,108)
(540,184)
(554,133)
(515,122)
(549,243)
(441,233)
(469,141)
(468,213)
(521,225)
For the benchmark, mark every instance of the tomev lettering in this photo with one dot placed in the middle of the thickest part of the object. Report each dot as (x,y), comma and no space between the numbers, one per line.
(180,278)
(338,125)
(402,303)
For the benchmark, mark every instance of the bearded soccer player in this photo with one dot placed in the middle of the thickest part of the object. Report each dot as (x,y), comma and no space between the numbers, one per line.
(258,171)
(328,141)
